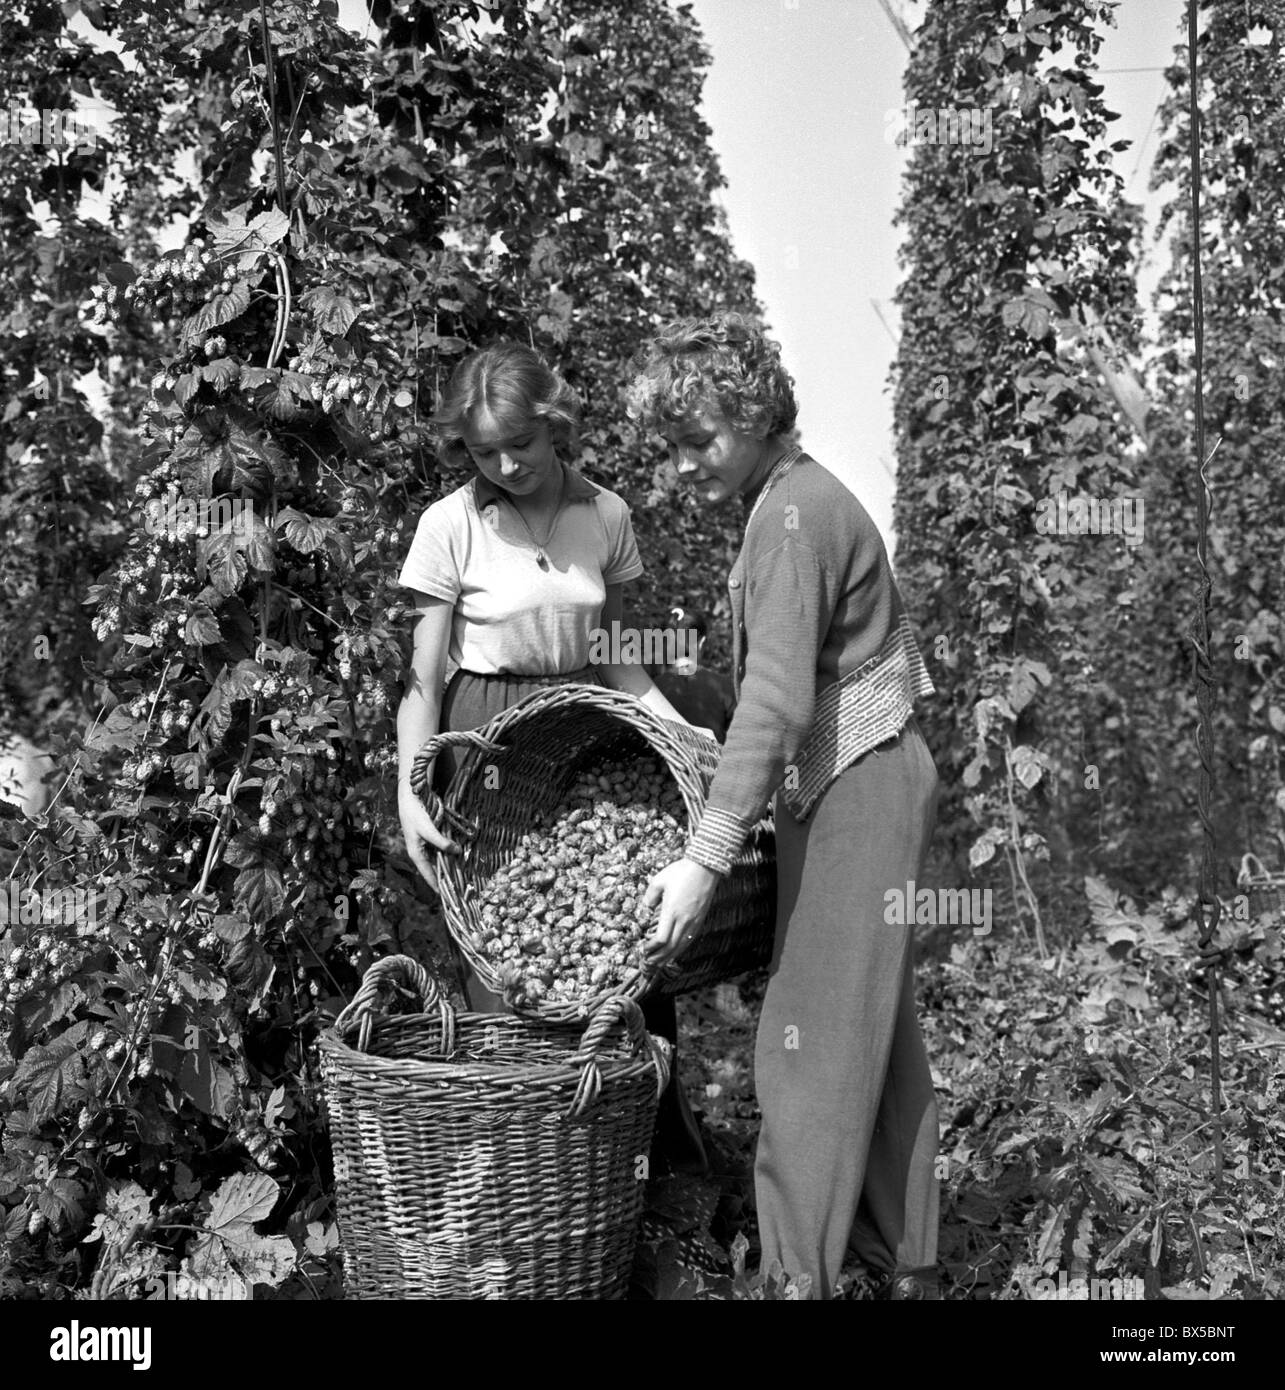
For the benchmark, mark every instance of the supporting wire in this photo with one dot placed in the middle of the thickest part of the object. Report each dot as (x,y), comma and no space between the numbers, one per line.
(1208,908)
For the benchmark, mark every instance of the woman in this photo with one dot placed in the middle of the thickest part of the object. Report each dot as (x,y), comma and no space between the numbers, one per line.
(511,574)
(826,670)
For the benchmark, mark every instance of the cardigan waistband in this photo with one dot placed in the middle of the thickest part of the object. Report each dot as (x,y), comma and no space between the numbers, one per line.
(857,713)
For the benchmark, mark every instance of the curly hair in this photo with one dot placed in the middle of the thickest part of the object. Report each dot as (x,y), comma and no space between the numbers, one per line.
(510,380)
(725,364)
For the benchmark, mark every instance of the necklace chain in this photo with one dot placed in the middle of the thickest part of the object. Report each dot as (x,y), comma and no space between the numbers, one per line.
(541,558)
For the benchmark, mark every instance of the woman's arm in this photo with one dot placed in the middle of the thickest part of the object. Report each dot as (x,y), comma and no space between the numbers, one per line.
(632,679)
(421,706)
(788,611)
(786,628)
(418,717)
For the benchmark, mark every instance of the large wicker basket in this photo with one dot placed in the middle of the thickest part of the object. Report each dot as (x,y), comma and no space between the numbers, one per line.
(534,751)
(483,1155)
(1265,889)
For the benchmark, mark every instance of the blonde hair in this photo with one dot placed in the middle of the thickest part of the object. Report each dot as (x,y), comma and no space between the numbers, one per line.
(508,379)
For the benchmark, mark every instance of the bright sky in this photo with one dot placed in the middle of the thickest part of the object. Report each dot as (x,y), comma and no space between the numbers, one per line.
(799,97)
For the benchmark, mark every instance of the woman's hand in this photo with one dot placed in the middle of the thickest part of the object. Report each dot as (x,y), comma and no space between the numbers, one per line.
(684,890)
(419,827)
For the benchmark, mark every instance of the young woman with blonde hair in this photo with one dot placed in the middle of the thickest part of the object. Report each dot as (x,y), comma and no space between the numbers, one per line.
(511,574)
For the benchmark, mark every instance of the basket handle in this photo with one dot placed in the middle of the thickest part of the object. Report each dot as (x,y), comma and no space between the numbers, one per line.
(618,1008)
(404,976)
(430,750)
(1251,867)
(419,780)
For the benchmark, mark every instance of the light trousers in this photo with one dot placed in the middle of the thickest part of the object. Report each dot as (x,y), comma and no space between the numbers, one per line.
(847,1151)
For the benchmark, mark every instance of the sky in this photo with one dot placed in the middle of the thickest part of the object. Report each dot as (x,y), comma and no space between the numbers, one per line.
(800,96)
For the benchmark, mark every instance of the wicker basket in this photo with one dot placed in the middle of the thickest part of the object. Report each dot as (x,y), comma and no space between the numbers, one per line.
(483,1155)
(537,748)
(1265,890)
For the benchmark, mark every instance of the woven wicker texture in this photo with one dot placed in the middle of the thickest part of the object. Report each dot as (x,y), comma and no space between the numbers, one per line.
(1265,890)
(483,1155)
(523,762)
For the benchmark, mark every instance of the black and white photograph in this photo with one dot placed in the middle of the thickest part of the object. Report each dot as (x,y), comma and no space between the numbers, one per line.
(642,659)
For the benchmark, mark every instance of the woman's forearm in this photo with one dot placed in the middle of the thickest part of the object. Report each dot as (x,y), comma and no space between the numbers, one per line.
(633,680)
(628,676)
(418,717)
(420,712)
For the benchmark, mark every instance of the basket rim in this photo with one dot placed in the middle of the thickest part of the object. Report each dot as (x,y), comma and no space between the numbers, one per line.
(445,1069)
(512,1084)
(332,1040)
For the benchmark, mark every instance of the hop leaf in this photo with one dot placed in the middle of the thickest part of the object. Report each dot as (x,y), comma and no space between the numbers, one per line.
(332,312)
(305,533)
(221,309)
(231,1244)
(54,1077)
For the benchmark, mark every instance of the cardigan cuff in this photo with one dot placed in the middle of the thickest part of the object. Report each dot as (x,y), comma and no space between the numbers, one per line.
(718,840)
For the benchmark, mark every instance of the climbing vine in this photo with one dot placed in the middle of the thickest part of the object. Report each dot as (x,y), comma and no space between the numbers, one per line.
(1018,257)
(222,858)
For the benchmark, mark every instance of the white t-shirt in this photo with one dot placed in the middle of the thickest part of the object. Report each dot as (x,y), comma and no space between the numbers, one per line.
(511,616)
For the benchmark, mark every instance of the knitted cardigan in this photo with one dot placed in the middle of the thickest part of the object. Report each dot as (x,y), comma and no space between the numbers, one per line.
(825,662)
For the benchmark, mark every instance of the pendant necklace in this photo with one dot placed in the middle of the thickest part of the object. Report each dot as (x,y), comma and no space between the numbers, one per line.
(541,558)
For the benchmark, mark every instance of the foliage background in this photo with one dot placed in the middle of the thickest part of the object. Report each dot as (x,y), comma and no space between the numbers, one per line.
(220,706)
(1067,710)
(478,171)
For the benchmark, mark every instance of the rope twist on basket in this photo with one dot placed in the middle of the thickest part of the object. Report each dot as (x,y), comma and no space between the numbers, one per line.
(617,1009)
(420,771)
(402,976)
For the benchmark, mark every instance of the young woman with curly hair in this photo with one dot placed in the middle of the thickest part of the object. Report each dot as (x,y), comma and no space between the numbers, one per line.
(827,671)
(511,574)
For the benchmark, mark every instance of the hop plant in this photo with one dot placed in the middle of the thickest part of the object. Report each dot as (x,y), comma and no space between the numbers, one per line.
(176,285)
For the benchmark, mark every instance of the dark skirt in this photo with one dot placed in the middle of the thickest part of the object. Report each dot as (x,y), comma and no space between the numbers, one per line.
(471,700)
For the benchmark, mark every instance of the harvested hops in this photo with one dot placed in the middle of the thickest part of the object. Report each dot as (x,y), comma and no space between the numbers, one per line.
(564,919)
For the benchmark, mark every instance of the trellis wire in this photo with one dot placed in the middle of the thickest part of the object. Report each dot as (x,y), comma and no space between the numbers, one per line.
(269,61)
(1208,908)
